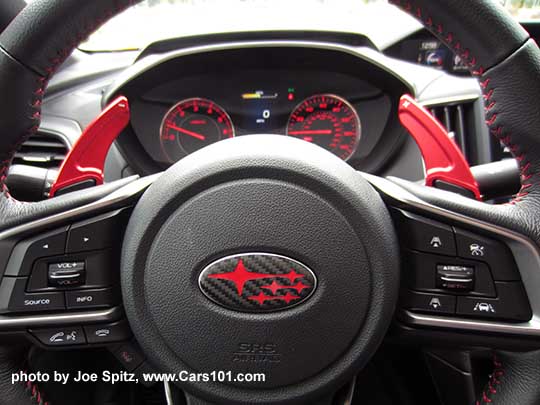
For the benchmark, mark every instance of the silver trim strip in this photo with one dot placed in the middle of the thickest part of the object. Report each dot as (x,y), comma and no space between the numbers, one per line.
(116,198)
(443,101)
(168,393)
(34,321)
(526,253)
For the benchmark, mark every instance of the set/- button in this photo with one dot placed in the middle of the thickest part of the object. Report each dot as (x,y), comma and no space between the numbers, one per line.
(432,303)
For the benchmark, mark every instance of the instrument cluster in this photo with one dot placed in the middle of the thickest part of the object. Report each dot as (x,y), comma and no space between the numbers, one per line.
(327,109)
(327,120)
(336,98)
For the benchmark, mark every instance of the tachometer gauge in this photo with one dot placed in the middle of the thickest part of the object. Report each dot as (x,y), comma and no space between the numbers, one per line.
(191,125)
(328,121)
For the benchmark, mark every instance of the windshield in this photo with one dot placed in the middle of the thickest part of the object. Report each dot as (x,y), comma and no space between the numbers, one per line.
(154,20)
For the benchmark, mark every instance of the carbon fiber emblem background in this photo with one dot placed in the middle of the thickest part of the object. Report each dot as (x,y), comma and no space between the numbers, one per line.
(257,282)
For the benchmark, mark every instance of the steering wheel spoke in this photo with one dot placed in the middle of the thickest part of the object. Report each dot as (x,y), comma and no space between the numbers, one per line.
(60,272)
(460,273)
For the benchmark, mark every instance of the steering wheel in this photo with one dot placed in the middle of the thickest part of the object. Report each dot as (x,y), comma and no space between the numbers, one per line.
(207,239)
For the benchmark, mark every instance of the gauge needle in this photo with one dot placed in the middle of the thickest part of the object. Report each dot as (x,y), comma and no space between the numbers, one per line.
(312,132)
(187,132)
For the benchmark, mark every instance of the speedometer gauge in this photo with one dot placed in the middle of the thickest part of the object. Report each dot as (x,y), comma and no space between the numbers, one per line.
(328,121)
(191,125)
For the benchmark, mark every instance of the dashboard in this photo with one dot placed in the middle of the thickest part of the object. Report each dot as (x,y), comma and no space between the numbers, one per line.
(340,91)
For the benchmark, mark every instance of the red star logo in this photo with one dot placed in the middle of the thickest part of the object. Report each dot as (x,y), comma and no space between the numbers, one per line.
(289,297)
(261,298)
(275,287)
(240,276)
(299,286)
(292,276)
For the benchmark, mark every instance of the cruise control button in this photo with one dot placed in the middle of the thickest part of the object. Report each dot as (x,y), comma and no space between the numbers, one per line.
(28,251)
(60,336)
(13,298)
(495,253)
(90,298)
(421,273)
(434,303)
(455,278)
(511,304)
(424,234)
(97,233)
(114,332)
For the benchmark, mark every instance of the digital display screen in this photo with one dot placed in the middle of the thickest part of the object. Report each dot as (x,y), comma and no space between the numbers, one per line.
(263,110)
(433,53)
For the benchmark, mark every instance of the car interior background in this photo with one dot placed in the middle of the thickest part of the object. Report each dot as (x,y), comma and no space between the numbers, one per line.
(171,79)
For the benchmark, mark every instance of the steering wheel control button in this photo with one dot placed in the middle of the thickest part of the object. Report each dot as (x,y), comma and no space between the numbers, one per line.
(27,252)
(13,298)
(66,274)
(495,253)
(455,278)
(90,298)
(97,233)
(511,304)
(60,336)
(130,356)
(433,273)
(425,235)
(433,303)
(257,282)
(99,271)
(107,333)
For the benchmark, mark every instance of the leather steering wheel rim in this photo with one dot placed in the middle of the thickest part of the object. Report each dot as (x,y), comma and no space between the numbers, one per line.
(496,49)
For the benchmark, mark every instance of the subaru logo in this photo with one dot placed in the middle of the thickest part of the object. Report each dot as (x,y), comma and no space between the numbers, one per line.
(257,282)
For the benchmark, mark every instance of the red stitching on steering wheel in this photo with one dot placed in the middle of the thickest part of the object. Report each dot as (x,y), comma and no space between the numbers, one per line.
(493,384)
(490,102)
(55,62)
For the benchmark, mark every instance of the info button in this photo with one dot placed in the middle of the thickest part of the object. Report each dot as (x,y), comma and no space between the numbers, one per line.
(90,298)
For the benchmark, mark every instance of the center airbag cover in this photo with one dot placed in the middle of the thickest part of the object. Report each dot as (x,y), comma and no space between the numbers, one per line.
(266,195)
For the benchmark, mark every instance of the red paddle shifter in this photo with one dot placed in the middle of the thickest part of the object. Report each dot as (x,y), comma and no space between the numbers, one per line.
(84,165)
(445,165)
